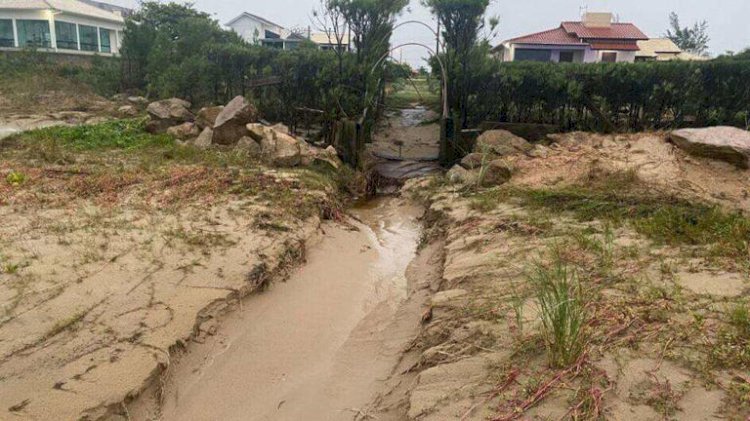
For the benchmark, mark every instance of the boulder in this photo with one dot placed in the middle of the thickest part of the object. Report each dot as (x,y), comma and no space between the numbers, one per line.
(249,145)
(497,172)
(141,101)
(118,97)
(330,150)
(203,141)
(231,123)
(282,150)
(168,113)
(473,161)
(319,157)
(278,148)
(127,111)
(184,131)
(460,175)
(728,144)
(207,116)
(502,143)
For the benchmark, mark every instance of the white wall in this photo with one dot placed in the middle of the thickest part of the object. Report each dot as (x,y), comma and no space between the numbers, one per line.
(116,28)
(252,30)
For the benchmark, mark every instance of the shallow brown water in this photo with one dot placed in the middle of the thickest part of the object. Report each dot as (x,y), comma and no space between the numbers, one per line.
(318,346)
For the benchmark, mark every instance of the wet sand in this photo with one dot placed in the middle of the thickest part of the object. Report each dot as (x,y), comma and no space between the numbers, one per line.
(318,346)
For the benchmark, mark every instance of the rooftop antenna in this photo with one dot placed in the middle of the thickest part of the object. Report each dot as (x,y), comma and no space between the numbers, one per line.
(617,18)
(583,10)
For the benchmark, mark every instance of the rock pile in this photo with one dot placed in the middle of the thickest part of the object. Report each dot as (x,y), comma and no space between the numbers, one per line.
(486,164)
(235,125)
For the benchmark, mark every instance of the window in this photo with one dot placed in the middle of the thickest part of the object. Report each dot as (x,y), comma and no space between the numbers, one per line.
(525,54)
(89,38)
(106,39)
(67,35)
(34,33)
(566,56)
(609,57)
(272,35)
(6,33)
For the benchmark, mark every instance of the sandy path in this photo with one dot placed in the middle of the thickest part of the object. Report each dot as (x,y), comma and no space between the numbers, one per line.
(318,346)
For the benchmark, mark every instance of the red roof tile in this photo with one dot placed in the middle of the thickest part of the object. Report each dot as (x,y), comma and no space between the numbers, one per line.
(618,46)
(557,36)
(619,31)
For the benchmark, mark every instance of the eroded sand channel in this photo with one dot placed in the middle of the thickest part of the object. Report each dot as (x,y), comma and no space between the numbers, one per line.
(317,346)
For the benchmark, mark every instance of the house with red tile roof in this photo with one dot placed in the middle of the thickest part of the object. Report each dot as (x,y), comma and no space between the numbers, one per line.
(595,39)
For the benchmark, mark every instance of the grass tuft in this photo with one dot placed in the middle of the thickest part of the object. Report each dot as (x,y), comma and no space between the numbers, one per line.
(563,312)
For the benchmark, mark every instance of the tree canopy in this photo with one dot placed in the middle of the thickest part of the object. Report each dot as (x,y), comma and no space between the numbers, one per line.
(693,39)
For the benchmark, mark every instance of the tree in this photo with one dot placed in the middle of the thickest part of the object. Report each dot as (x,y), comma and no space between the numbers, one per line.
(462,22)
(691,39)
(371,23)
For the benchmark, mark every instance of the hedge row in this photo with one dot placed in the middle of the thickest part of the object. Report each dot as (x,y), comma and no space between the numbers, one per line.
(609,97)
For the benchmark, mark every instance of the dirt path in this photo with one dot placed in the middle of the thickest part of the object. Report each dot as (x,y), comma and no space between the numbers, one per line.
(411,134)
(317,346)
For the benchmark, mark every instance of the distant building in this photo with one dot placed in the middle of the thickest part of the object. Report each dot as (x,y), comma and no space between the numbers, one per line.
(260,31)
(124,11)
(257,30)
(64,26)
(663,49)
(593,40)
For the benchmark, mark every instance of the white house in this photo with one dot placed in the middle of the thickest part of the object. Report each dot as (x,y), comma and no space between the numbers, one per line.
(260,31)
(257,30)
(63,26)
(594,39)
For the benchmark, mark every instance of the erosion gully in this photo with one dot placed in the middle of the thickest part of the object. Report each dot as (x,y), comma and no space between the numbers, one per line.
(320,345)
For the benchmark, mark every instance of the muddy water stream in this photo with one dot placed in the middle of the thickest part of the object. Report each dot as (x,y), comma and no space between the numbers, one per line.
(318,346)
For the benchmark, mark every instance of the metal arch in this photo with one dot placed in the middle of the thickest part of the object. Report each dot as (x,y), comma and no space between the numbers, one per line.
(440,61)
(434,32)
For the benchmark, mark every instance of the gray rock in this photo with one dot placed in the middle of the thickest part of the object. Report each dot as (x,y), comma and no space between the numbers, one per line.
(459,174)
(332,151)
(141,101)
(497,172)
(281,150)
(203,141)
(231,123)
(728,144)
(128,111)
(184,131)
(207,116)
(249,144)
(168,113)
(502,143)
(473,160)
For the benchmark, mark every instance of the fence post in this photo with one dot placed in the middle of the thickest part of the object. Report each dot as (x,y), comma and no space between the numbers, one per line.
(447,141)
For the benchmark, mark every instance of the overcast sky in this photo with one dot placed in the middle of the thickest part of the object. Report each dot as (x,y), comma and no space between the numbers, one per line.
(728,19)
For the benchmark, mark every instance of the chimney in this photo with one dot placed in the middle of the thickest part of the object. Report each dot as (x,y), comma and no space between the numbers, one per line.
(597,20)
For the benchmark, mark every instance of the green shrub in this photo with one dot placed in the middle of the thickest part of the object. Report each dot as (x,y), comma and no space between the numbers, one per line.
(606,96)
(15,178)
(118,134)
